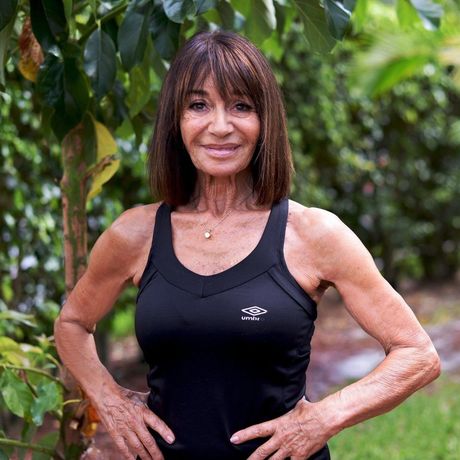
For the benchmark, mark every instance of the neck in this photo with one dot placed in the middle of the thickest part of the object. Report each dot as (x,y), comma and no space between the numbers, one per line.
(219,195)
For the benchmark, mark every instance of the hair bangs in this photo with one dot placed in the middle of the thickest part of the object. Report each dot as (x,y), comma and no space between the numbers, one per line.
(231,74)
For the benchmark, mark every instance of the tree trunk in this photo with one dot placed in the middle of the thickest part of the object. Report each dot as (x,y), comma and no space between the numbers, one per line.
(73,187)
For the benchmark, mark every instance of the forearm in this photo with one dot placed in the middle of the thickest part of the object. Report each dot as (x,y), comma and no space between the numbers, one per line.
(77,350)
(402,372)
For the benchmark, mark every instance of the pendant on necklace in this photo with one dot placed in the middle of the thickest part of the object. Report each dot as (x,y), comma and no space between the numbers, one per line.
(207,234)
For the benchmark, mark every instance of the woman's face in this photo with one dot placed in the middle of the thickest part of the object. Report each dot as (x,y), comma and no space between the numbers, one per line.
(220,136)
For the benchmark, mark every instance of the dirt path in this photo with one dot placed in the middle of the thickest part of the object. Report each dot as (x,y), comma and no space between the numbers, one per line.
(341,350)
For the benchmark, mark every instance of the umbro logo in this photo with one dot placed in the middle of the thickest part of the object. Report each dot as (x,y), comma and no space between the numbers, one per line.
(254,311)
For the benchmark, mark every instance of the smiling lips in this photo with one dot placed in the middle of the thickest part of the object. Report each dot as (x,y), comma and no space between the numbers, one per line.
(221,149)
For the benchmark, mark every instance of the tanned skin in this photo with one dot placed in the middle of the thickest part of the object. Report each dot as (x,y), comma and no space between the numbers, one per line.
(320,251)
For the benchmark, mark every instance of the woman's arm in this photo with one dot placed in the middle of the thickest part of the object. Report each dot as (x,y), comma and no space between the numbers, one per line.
(113,264)
(340,259)
(411,361)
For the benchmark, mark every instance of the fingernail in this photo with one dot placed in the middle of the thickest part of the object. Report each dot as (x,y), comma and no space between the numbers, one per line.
(170,439)
(234,438)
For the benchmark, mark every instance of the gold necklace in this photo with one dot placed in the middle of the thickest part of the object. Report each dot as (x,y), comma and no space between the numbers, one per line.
(208,232)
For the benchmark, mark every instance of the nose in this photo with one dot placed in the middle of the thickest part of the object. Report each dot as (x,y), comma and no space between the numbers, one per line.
(220,123)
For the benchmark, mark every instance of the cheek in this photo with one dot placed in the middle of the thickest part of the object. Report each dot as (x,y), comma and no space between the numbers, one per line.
(255,132)
(189,129)
(186,132)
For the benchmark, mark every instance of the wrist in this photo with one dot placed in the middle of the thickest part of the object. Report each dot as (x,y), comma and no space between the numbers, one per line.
(329,415)
(97,391)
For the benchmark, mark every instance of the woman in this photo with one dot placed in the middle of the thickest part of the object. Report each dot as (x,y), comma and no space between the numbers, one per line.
(229,282)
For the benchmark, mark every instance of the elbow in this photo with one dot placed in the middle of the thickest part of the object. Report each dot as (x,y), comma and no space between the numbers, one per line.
(435,364)
(69,330)
(58,333)
(431,363)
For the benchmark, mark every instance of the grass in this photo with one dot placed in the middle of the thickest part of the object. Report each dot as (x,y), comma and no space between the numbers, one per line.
(425,427)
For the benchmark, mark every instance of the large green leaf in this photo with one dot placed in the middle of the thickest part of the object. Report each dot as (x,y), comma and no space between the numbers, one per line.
(69,16)
(393,58)
(16,394)
(132,34)
(284,16)
(260,18)
(107,165)
(100,62)
(7,12)
(204,5)
(164,32)
(243,6)
(226,14)
(139,90)
(359,14)
(48,23)
(5,34)
(7,344)
(394,72)
(48,398)
(179,10)
(50,80)
(76,89)
(315,27)
(72,98)
(68,6)
(63,86)
(55,16)
(407,14)
(338,17)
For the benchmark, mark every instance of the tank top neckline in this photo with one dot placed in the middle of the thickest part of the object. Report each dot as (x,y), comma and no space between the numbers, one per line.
(260,259)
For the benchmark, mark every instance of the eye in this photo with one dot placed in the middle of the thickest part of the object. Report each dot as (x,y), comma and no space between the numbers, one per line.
(197,106)
(243,107)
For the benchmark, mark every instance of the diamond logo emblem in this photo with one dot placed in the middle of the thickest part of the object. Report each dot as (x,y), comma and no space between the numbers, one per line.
(254,311)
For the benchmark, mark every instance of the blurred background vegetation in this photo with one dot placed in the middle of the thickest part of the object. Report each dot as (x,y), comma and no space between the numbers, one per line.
(375,130)
(388,165)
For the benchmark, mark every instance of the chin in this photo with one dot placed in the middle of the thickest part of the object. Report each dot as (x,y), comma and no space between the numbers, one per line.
(221,172)
(222,168)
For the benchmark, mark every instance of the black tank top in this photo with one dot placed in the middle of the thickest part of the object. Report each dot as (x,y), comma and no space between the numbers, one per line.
(225,351)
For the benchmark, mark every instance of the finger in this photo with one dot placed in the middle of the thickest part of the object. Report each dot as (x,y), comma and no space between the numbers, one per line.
(266,449)
(255,431)
(158,425)
(150,444)
(136,446)
(280,455)
(122,447)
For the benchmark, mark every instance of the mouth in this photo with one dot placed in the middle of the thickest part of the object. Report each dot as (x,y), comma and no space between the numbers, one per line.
(221,150)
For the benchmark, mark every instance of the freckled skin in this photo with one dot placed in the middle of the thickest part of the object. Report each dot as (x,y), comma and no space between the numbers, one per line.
(320,251)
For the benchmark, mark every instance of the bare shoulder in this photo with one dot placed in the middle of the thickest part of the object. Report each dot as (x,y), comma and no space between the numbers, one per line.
(317,222)
(126,242)
(332,247)
(133,225)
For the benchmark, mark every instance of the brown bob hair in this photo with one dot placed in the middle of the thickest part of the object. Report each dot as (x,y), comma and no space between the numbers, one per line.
(236,66)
